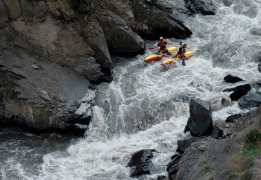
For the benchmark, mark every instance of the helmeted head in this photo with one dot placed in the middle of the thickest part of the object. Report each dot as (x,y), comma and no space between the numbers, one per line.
(161,38)
(185,45)
(180,43)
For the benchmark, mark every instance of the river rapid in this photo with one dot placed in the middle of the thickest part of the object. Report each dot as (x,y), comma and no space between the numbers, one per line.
(146,106)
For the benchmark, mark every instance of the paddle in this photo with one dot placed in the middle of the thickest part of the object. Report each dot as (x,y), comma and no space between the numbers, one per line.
(153,47)
(183,62)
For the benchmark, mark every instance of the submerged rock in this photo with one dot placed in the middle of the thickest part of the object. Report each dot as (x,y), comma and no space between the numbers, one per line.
(239,91)
(250,100)
(232,79)
(200,121)
(233,117)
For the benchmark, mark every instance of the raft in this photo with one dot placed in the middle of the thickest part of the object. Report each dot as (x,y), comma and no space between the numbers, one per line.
(171,60)
(157,57)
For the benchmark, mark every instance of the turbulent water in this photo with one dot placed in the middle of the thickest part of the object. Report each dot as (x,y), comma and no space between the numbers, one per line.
(146,106)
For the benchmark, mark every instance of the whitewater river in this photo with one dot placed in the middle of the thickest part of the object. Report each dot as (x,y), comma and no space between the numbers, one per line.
(146,106)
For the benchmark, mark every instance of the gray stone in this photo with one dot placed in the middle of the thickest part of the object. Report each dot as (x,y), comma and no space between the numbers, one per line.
(141,162)
(152,22)
(3,15)
(205,7)
(41,99)
(250,100)
(96,40)
(36,11)
(200,121)
(14,10)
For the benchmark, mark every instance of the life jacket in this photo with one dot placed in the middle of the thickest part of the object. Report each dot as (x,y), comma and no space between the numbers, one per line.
(162,43)
(184,49)
(180,50)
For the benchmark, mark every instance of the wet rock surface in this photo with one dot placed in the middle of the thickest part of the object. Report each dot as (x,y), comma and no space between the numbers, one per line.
(206,7)
(200,120)
(239,91)
(211,158)
(52,51)
(141,162)
(38,93)
(232,79)
(250,100)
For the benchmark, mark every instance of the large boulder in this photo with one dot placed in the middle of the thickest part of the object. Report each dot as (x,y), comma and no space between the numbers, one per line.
(64,45)
(200,121)
(205,7)
(94,36)
(250,100)
(37,93)
(121,40)
(152,22)
(141,162)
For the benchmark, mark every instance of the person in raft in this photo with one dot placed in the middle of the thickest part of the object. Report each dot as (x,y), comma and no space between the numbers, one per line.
(162,43)
(182,50)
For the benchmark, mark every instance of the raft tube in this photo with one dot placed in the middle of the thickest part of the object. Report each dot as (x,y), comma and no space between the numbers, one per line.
(158,57)
(171,60)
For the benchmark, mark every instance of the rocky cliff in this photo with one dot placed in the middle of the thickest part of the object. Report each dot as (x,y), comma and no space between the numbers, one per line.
(52,51)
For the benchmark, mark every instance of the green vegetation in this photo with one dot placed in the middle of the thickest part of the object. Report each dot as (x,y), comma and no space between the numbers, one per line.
(246,175)
(244,160)
(232,176)
(206,169)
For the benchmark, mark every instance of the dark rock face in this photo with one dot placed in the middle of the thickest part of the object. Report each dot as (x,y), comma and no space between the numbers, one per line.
(233,117)
(200,121)
(236,95)
(152,22)
(184,144)
(162,178)
(96,40)
(141,161)
(121,40)
(13,7)
(129,44)
(38,93)
(250,100)
(206,7)
(3,15)
(217,132)
(245,86)
(232,79)
(173,166)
